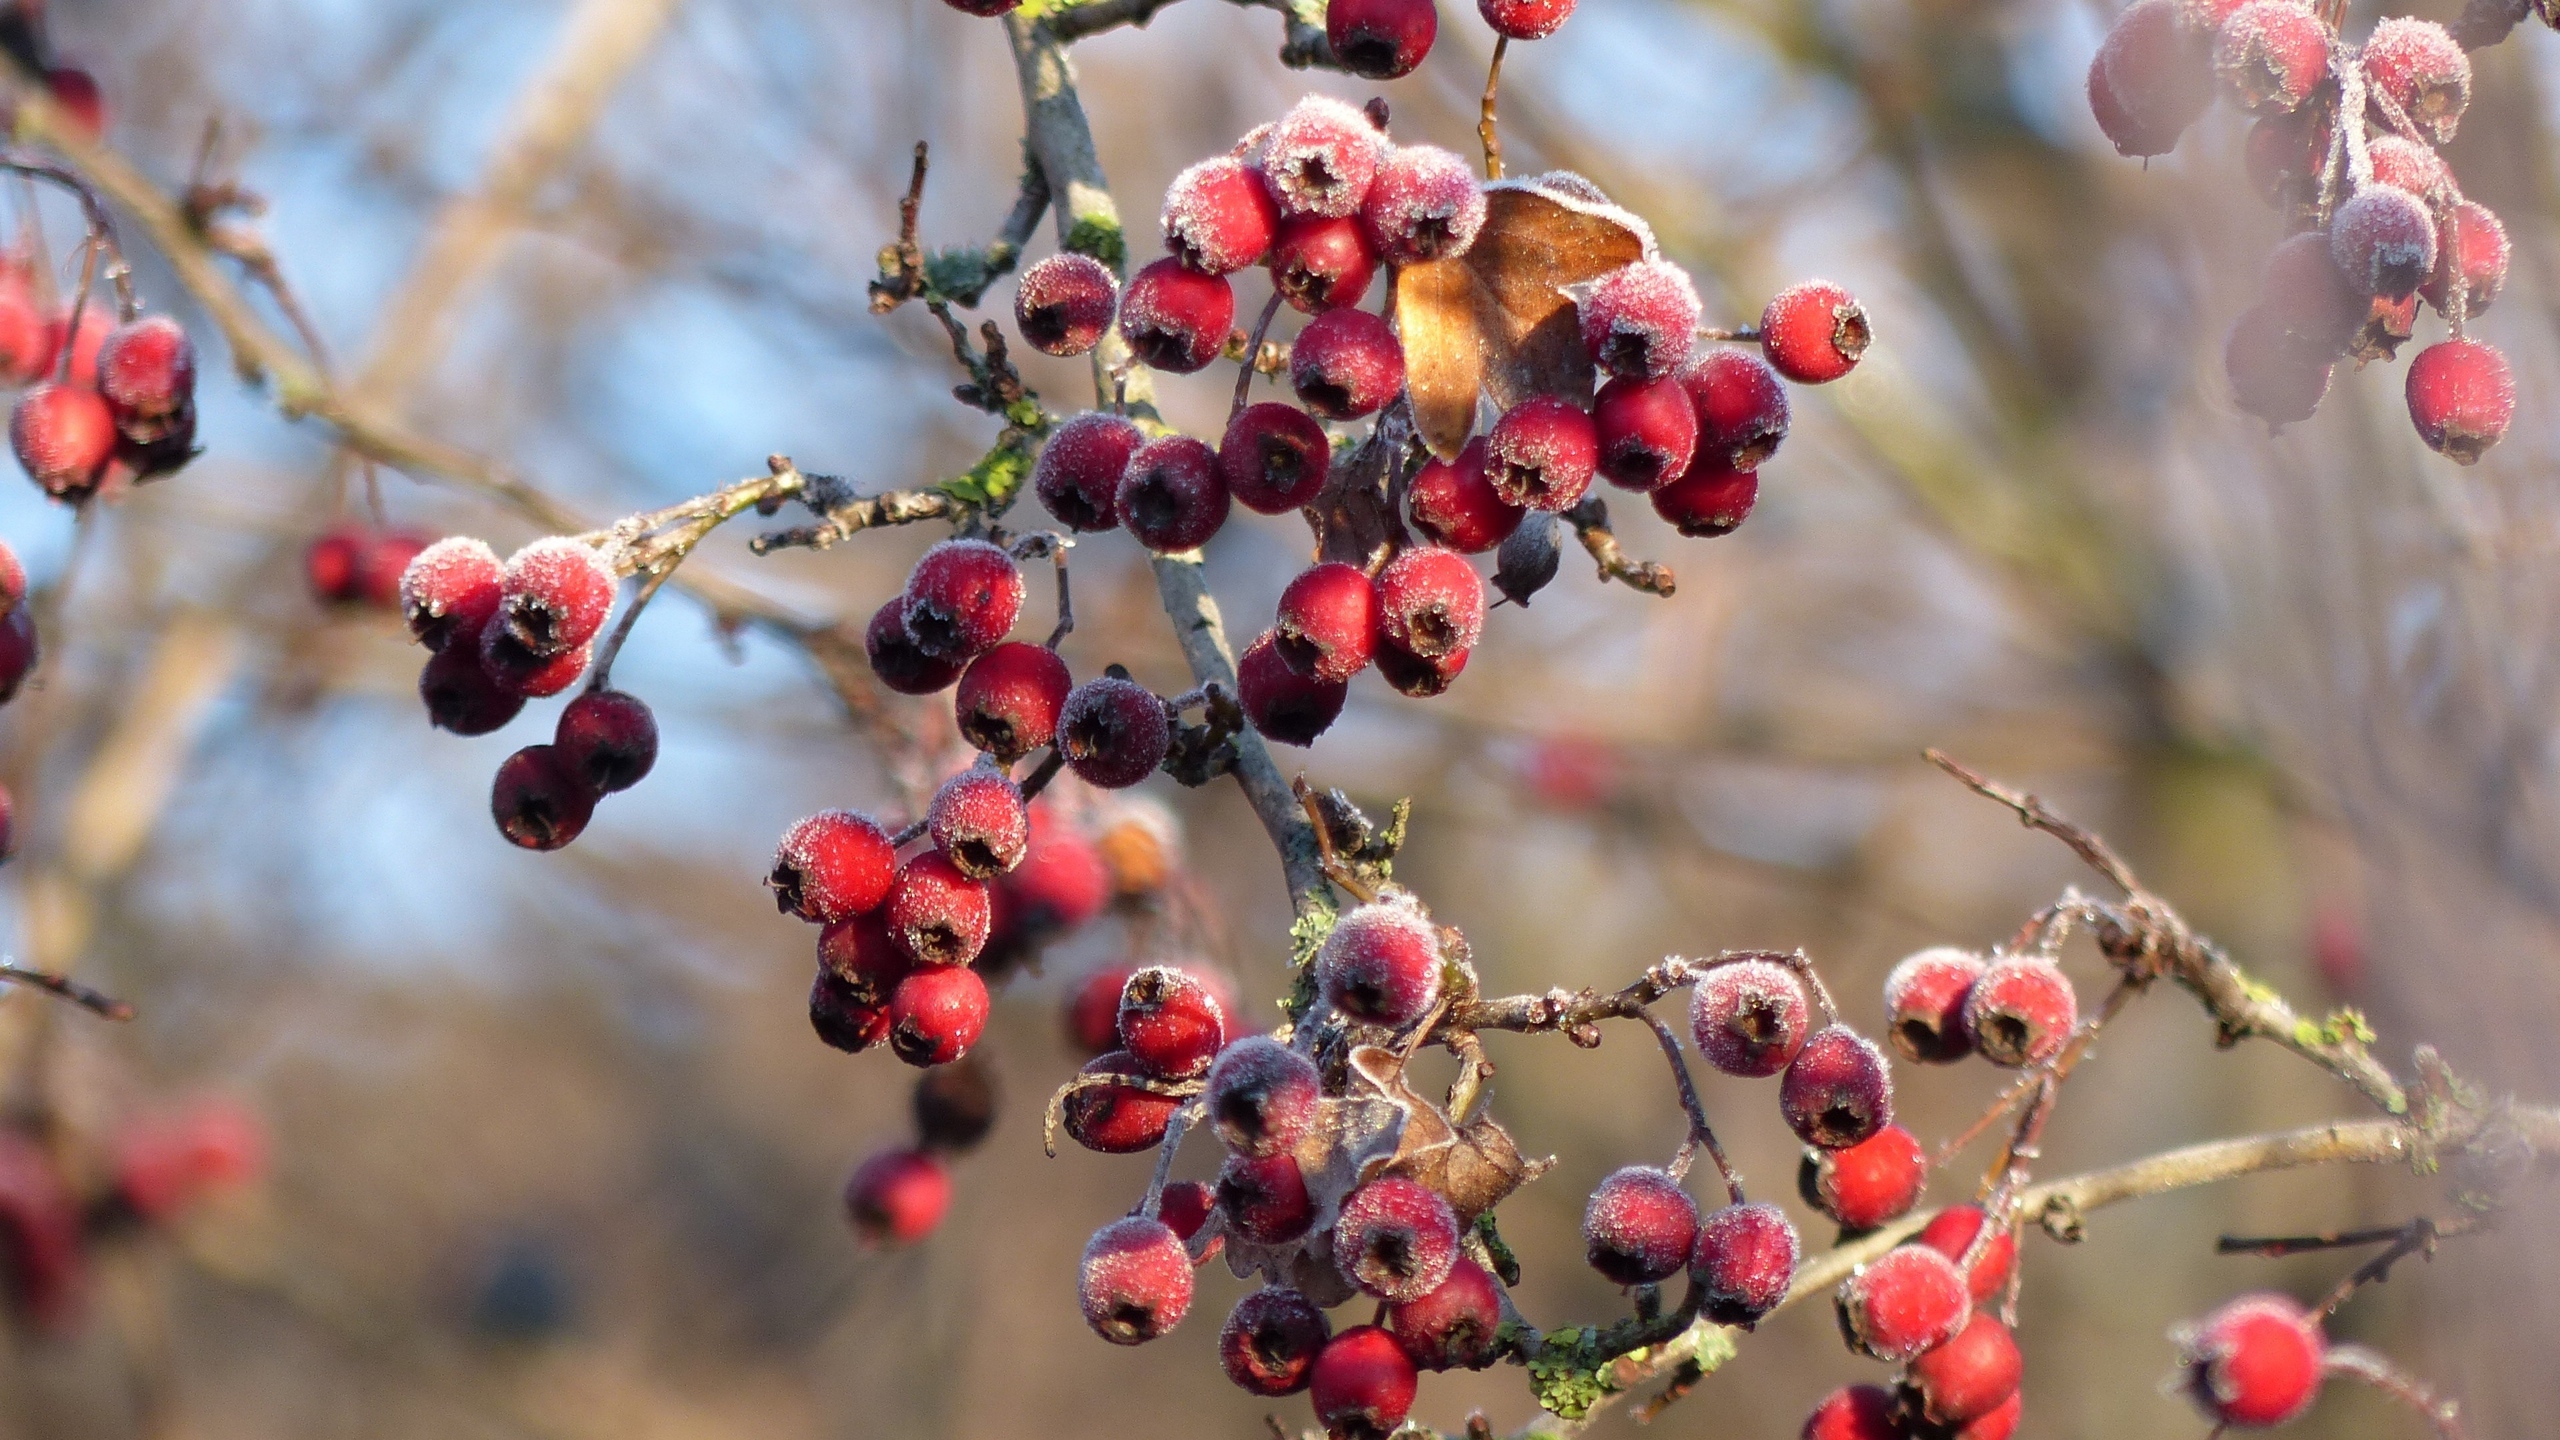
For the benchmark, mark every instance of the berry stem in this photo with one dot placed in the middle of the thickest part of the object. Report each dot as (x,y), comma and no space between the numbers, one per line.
(1165,1151)
(1739,334)
(1055,546)
(1487,130)
(1252,357)
(1700,1135)
(64,987)
(2377,1371)
(1038,780)
(102,229)
(611,650)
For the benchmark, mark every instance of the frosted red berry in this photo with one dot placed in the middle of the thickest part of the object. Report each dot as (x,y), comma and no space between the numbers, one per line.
(897,1197)
(1902,1304)
(1381,964)
(1542,453)
(2021,1011)
(1430,602)
(1924,1004)
(1265,1200)
(1117,1119)
(1064,302)
(554,595)
(2480,243)
(1711,499)
(1135,1280)
(2461,396)
(858,952)
(2270,54)
(832,866)
(1750,1017)
(539,802)
(1837,1091)
(1412,675)
(2253,1363)
(1321,158)
(1322,262)
(2273,376)
(64,435)
(1346,364)
(449,591)
(1525,19)
(459,695)
(1218,218)
(1646,431)
(897,660)
(1640,320)
(1327,624)
(517,669)
(1077,476)
(936,914)
(1869,1184)
(1171,1023)
(1396,1238)
(1113,732)
(1744,1260)
(1425,205)
(936,1014)
(2406,165)
(979,822)
(1176,318)
(1969,1376)
(1282,705)
(1951,1233)
(962,597)
(1271,1340)
(1814,332)
(147,371)
(609,738)
(2383,240)
(1009,699)
(1856,1412)
(1639,1226)
(1173,497)
(1455,1325)
(1263,1097)
(2150,80)
(1741,406)
(2422,68)
(1454,504)
(1274,457)
(1381,39)
(1363,1384)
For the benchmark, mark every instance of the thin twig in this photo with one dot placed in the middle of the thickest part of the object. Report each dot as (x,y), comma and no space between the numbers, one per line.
(1701,1134)
(66,988)
(1590,521)
(1486,130)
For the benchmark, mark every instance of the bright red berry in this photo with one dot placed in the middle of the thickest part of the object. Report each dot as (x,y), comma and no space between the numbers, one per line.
(1265,1200)
(1327,626)
(1381,39)
(1009,699)
(2021,1011)
(1641,320)
(1184,1207)
(1396,1238)
(13,580)
(1411,674)
(64,435)
(1322,158)
(1135,1282)
(1173,497)
(1114,732)
(2461,396)
(1170,1023)
(1951,1233)
(163,1164)
(2479,248)
(26,336)
(1453,503)
(1381,964)
(962,597)
(2419,65)
(1064,303)
(608,738)
(1542,453)
(1093,1009)
(1275,458)
(334,565)
(2253,1363)
(842,1019)
(449,591)
(1968,1377)
(1639,1226)
(1924,1004)
(2383,239)
(1263,1096)
(1176,318)
(1744,1260)
(1751,1017)
(1271,1339)
(1218,218)
(1525,19)
(1646,431)
(460,697)
(1430,603)
(513,667)
(1711,499)
(979,822)
(832,866)
(540,803)
(1322,262)
(1869,1184)
(897,1197)
(1117,1119)
(1855,1412)
(1346,364)
(1837,1091)
(1363,1384)
(1455,1324)
(1999,1423)
(1282,705)
(896,659)
(554,595)
(936,914)
(1077,476)
(147,371)
(2150,80)
(858,952)
(1814,332)
(1902,1304)
(1742,408)
(2270,54)
(1425,205)
(937,1013)
(2272,375)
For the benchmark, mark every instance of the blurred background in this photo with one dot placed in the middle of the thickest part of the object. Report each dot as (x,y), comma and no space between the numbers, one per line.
(549,1148)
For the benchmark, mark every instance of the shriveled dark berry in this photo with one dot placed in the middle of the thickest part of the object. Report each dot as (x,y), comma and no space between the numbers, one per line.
(896,659)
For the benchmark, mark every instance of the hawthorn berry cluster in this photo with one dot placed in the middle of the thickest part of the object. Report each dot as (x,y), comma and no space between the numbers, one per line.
(2345,146)
(107,406)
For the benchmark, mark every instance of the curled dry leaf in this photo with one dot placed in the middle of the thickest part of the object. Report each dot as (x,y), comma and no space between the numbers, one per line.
(1473,1165)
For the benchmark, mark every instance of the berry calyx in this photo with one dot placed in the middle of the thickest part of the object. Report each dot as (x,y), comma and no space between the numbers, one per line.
(1742,407)
(936,914)
(1263,1097)
(1265,1198)
(2253,1363)
(1542,453)
(936,1014)
(1425,205)
(2021,1011)
(1173,497)
(64,435)
(1397,1239)
(1077,476)
(1176,318)
(1327,625)
(1456,1325)
(1902,1304)
(1750,1017)
(1814,332)
(1321,158)
(1363,1384)
(1453,503)
(1009,699)
(1869,1184)
(1346,364)
(832,866)
(1968,1377)
(554,595)
(1282,705)
(1381,964)
(897,1197)
(1271,1340)
(1430,603)
(1639,1226)
(1924,1004)
(1218,218)
(1117,1119)
(1275,458)
(1170,1023)
(1646,430)
(1064,302)
(1322,262)
(1114,732)
(1951,1233)
(962,597)
(1837,1091)
(1712,499)
(1744,1261)
(2461,396)
(540,803)
(900,663)
(1135,1280)
(1381,39)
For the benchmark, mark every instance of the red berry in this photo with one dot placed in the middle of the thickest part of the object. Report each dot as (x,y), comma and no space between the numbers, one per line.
(64,436)
(1750,1018)
(1646,429)
(539,802)
(1282,705)
(449,592)
(1855,1412)
(1184,1207)
(1322,262)
(1381,39)
(897,1197)
(858,952)
(147,371)
(1322,158)
(1114,732)
(1639,1226)
(1430,603)
(2418,64)
(2387,324)
(1968,1377)
(1265,1200)
(13,580)
(843,1020)
(1869,1184)
(1742,409)
(459,695)
(77,92)
(554,595)
(832,866)
(164,1164)
(1710,500)
(2021,1011)
(1542,453)
(1836,1091)
(1275,458)
(1077,476)
(898,662)
(1135,1282)
(2383,239)
(1951,1233)
(935,913)
(2481,243)
(333,565)
(1363,1384)
(2151,79)
(1924,1004)
(2284,150)
(381,561)
(1453,1325)
(1410,674)
(1173,497)
(1744,1261)
(1814,332)
(1902,1304)
(1064,303)
(1525,19)
(1640,321)
(1170,1023)
(1396,1238)
(1218,218)
(514,668)
(1060,884)
(2270,54)
(1381,964)
(1346,364)
(92,336)
(2461,397)
(962,598)
(2272,377)
(937,1013)
(2405,164)
(1425,205)
(2303,284)
(1117,1119)
(1009,699)
(8,825)
(1093,1009)
(2253,1363)
(1271,1339)
(1327,626)
(1263,1096)
(1176,318)
(608,738)
(26,336)
(1999,1424)
(19,653)
(1454,504)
